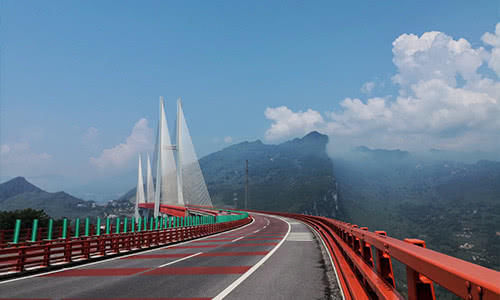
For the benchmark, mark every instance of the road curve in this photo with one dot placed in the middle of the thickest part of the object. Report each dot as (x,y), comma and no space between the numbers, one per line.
(271,258)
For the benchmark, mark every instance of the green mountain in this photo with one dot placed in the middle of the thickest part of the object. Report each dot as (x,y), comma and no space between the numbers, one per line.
(18,193)
(295,176)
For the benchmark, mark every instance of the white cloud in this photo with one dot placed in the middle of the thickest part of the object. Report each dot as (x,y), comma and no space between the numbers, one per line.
(493,39)
(19,159)
(288,123)
(119,156)
(431,109)
(368,87)
(228,140)
(434,55)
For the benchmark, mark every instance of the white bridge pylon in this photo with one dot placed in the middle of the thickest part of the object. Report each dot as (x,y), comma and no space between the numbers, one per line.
(179,180)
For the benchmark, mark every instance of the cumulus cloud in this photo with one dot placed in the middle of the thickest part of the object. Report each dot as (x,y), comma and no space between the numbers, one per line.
(367,87)
(432,109)
(119,156)
(288,123)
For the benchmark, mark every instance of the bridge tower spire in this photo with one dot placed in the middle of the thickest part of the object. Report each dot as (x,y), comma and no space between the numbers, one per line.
(150,193)
(180,194)
(139,194)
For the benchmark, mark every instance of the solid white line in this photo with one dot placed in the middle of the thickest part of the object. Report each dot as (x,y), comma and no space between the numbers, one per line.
(237,239)
(238,281)
(122,256)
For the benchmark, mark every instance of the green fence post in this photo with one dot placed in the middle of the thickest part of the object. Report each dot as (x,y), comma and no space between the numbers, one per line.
(17,229)
(125,225)
(65,228)
(145,227)
(132,224)
(98,229)
(151,223)
(139,224)
(77,227)
(87,226)
(156,223)
(34,230)
(107,225)
(117,226)
(49,232)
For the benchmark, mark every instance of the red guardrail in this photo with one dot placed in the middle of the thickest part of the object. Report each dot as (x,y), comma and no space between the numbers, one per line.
(47,253)
(364,275)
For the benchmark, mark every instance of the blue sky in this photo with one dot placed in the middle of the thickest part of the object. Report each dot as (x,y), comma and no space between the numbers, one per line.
(77,76)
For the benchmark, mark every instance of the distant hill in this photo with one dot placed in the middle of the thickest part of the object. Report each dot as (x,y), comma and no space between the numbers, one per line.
(453,206)
(15,187)
(295,176)
(18,193)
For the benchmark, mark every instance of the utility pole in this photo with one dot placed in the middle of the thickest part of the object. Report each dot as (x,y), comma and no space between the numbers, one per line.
(246,185)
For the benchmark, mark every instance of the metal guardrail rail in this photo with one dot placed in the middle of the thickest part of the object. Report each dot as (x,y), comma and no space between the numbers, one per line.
(367,275)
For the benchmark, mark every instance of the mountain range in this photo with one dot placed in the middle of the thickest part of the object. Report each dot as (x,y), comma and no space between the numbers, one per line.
(18,193)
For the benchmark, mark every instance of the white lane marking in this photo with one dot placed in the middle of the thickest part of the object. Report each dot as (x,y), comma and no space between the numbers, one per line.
(235,240)
(300,236)
(180,259)
(242,278)
(123,256)
(331,260)
(167,264)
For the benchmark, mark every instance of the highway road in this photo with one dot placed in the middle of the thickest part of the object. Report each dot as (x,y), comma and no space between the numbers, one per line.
(271,258)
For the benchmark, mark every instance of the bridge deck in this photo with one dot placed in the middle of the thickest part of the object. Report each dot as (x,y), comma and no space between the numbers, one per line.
(231,264)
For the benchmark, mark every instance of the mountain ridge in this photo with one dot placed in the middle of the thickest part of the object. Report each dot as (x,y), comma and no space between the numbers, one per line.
(19,193)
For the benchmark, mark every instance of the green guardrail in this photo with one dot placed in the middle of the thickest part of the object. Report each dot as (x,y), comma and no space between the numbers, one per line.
(136,225)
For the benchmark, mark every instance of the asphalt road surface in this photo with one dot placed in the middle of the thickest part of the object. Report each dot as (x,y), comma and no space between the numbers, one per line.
(271,258)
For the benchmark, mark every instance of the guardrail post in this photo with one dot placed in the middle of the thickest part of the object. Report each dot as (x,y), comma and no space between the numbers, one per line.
(125,225)
(65,229)
(87,226)
(46,255)
(151,222)
(34,230)
(98,229)
(107,225)
(132,224)
(139,224)
(145,227)
(17,229)
(384,264)
(49,231)
(366,251)
(356,245)
(117,230)
(419,286)
(77,227)
(21,259)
